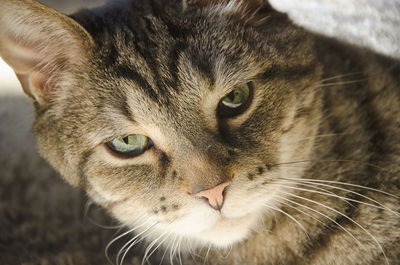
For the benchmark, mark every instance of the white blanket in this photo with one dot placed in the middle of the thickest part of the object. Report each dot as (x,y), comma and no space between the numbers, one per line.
(374,24)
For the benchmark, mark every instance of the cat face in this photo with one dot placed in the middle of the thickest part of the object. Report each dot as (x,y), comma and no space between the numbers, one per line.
(174,118)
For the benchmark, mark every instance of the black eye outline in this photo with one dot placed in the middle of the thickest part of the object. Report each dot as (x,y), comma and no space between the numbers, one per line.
(132,153)
(225,112)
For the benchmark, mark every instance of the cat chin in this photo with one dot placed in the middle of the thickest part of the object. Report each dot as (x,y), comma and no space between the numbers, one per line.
(220,232)
(227,231)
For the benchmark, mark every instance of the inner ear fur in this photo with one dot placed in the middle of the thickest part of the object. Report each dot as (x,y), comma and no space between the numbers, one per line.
(41,45)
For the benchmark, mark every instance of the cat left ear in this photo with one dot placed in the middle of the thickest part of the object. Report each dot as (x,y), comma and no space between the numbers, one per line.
(41,45)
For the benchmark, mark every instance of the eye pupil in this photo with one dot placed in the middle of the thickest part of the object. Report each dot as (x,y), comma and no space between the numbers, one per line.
(130,146)
(236,102)
(231,96)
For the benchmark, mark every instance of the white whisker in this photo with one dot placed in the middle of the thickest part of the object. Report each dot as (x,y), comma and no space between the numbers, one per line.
(330,193)
(291,217)
(303,212)
(179,250)
(171,251)
(342,83)
(147,255)
(339,76)
(206,256)
(327,217)
(115,239)
(86,216)
(379,205)
(166,249)
(348,184)
(345,216)
(329,161)
(136,239)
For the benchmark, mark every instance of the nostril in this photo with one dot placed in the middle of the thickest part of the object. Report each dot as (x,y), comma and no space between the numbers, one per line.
(214,196)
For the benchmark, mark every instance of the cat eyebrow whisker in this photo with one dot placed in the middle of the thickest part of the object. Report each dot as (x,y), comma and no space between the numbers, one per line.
(291,217)
(341,83)
(345,216)
(340,76)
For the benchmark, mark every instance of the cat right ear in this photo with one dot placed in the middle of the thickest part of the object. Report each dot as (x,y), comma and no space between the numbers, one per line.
(41,45)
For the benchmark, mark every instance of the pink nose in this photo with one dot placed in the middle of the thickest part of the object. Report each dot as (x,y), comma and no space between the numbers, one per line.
(215,196)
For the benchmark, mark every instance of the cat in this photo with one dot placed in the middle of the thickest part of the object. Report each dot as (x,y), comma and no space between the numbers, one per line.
(217,130)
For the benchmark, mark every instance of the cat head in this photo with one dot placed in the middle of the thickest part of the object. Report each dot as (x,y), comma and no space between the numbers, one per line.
(172,115)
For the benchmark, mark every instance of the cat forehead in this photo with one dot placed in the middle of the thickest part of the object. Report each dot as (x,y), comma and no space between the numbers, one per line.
(164,63)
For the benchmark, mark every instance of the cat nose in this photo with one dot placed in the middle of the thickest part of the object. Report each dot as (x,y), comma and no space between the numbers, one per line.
(215,196)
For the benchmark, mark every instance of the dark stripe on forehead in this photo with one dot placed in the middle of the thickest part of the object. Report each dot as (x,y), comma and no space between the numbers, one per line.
(288,73)
(173,58)
(149,49)
(127,72)
(205,66)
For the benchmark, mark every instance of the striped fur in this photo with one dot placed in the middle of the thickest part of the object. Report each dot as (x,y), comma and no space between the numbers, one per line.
(314,161)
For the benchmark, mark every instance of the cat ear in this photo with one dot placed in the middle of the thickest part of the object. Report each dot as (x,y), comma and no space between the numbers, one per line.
(41,45)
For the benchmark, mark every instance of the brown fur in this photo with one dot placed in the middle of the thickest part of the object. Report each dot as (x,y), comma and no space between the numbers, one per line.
(312,161)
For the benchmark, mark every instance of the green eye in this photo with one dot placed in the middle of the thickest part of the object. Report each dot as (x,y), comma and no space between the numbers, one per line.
(130,146)
(235,103)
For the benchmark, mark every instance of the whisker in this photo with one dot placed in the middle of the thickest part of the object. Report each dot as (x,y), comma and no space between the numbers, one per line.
(224,256)
(379,206)
(176,247)
(179,250)
(86,216)
(340,76)
(327,217)
(342,83)
(171,251)
(325,190)
(208,252)
(303,212)
(117,238)
(165,251)
(146,255)
(336,196)
(345,216)
(136,239)
(330,161)
(291,217)
(348,184)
